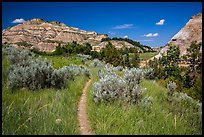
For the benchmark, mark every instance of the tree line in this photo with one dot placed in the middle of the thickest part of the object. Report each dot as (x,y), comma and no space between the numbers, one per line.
(188,79)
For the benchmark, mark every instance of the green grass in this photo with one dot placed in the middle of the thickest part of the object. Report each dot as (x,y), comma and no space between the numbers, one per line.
(122,119)
(147,55)
(27,112)
(60,61)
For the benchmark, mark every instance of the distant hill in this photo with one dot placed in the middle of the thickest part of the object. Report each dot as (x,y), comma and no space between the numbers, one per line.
(125,42)
(192,31)
(45,36)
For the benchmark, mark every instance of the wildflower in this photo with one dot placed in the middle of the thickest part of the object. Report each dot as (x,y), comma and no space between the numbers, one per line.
(58,121)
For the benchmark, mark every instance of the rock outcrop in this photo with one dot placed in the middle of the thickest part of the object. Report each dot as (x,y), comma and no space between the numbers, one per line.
(45,36)
(192,31)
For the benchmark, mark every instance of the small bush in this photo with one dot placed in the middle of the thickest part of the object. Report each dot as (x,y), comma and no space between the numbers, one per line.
(16,55)
(97,63)
(171,86)
(111,87)
(37,73)
(133,76)
(34,74)
(84,58)
(149,73)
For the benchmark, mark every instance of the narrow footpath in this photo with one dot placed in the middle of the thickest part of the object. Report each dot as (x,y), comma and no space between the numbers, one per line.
(84,125)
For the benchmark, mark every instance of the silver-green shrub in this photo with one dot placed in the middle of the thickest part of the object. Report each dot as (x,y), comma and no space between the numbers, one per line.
(40,73)
(97,63)
(25,71)
(133,76)
(16,55)
(148,73)
(78,70)
(111,87)
(34,74)
(60,76)
(171,86)
(147,102)
(84,58)
(187,105)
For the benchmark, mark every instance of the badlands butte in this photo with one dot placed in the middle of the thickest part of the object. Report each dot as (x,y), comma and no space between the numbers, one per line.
(46,36)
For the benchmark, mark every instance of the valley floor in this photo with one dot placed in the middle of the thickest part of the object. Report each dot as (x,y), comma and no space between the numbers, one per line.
(53,111)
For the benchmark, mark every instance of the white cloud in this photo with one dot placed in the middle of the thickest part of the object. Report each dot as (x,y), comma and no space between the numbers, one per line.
(161,22)
(155,34)
(124,26)
(151,35)
(148,35)
(18,21)
(125,36)
(112,33)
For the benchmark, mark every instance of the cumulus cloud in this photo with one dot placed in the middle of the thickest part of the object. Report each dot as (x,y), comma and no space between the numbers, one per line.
(21,20)
(112,33)
(155,34)
(151,35)
(125,36)
(161,22)
(124,26)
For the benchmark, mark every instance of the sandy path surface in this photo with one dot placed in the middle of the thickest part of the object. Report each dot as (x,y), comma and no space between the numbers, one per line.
(84,125)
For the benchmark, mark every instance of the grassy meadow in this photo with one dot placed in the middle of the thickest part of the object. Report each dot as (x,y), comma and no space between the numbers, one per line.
(124,119)
(145,56)
(51,111)
(46,111)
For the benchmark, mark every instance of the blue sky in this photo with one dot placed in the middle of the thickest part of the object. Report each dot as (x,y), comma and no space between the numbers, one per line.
(151,23)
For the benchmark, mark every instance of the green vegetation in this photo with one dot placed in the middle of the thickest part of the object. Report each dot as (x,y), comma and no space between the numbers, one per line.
(112,55)
(153,102)
(147,55)
(67,49)
(60,61)
(188,78)
(45,111)
(124,119)
(144,48)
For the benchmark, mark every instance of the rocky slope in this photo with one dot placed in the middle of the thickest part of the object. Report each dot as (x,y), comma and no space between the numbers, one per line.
(45,36)
(192,31)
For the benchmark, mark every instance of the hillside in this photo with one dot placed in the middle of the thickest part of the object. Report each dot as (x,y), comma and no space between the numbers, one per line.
(192,31)
(45,36)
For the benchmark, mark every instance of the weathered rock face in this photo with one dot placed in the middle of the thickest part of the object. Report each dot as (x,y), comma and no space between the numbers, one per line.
(45,36)
(192,31)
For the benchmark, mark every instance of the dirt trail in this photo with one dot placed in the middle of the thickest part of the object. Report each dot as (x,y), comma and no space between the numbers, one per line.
(82,113)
